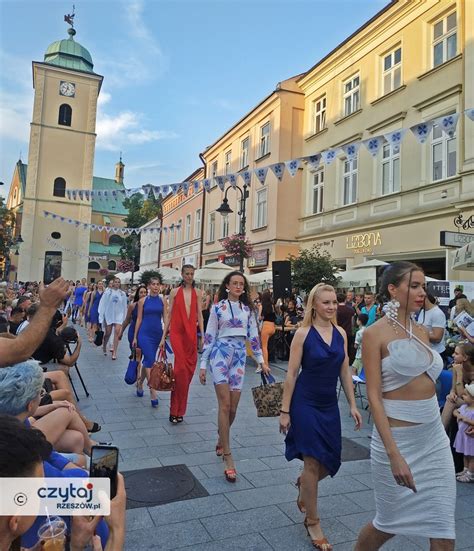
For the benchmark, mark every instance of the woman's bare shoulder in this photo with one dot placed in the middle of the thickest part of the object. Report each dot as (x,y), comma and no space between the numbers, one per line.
(301,333)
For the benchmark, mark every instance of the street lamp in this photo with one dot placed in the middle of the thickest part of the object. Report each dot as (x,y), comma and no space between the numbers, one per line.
(225,210)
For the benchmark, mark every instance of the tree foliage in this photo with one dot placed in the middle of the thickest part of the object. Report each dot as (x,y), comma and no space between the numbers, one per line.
(140,211)
(7,223)
(147,275)
(313,266)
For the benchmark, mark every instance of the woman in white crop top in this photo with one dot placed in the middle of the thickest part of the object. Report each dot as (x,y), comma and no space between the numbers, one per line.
(412,465)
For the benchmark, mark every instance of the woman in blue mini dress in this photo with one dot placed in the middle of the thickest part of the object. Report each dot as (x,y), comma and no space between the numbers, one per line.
(310,413)
(94,307)
(151,312)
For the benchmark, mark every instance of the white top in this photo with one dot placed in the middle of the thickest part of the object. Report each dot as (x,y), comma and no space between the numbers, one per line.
(231,319)
(434,318)
(23,325)
(113,306)
(358,342)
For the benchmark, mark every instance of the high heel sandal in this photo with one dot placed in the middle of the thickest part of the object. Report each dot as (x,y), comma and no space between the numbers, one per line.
(322,544)
(154,403)
(219,450)
(230,474)
(299,501)
(173,419)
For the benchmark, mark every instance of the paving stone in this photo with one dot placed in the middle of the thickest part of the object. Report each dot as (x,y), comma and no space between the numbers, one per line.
(242,466)
(192,459)
(361,466)
(219,485)
(113,427)
(340,485)
(280,462)
(366,479)
(138,519)
(183,428)
(465,508)
(273,477)
(172,439)
(151,451)
(254,452)
(181,511)
(205,446)
(357,520)
(244,522)
(125,442)
(172,536)
(328,507)
(364,499)
(259,497)
(248,542)
(248,441)
(135,464)
(198,473)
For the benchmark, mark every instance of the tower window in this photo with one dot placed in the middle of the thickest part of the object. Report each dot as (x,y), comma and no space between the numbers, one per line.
(65,115)
(93,266)
(59,187)
(115,240)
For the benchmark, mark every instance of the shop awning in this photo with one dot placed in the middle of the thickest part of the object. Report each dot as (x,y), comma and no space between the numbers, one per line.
(464,259)
(359,277)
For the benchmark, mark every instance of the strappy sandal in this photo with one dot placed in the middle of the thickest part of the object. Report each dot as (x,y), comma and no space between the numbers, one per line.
(465,477)
(174,419)
(322,544)
(95,428)
(299,501)
(219,450)
(230,474)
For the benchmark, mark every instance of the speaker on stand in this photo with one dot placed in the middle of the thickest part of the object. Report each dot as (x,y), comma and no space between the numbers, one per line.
(281,270)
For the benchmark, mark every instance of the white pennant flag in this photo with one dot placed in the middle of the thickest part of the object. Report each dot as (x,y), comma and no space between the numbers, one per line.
(422,131)
(100,228)
(261,174)
(279,170)
(448,123)
(374,144)
(165,190)
(470,114)
(220,182)
(328,156)
(395,139)
(196,185)
(207,184)
(156,192)
(146,190)
(351,150)
(313,161)
(174,188)
(293,166)
(246,176)
(232,179)
(68,193)
(185,187)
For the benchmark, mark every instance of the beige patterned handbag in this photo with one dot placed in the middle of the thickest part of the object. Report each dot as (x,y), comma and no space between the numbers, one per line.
(268,397)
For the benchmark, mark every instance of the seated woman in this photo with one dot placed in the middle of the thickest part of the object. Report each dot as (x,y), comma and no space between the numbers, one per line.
(20,395)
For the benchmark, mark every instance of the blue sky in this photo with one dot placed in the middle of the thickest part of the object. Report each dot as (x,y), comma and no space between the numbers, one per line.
(177,74)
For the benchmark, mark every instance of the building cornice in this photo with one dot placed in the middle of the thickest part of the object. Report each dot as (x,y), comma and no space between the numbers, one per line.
(386,122)
(64,128)
(433,100)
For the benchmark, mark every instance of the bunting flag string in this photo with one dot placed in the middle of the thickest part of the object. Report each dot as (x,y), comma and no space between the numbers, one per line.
(421,131)
(106,228)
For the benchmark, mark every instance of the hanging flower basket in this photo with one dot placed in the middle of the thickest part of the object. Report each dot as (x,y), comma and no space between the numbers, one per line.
(125,265)
(238,245)
(103,271)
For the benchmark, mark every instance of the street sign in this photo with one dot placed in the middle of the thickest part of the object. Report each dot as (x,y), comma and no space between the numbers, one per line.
(455,239)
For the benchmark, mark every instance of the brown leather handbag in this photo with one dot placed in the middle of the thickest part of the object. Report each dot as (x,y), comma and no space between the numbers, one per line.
(162,373)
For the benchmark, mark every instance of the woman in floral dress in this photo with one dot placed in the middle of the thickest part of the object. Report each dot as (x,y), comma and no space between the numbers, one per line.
(231,324)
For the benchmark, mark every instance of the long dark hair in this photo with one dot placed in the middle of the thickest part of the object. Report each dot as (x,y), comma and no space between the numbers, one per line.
(267,303)
(136,298)
(394,275)
(244,298)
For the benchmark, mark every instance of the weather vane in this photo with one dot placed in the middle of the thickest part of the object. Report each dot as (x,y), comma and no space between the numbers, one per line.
(69,18)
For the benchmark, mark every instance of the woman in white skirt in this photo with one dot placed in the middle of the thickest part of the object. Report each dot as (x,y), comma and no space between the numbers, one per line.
(412,465)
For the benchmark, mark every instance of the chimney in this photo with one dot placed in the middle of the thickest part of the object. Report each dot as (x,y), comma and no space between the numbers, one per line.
(119,169)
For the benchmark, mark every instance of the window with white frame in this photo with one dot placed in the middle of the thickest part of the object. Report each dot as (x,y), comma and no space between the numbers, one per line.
(349,181)
(244,152)
(444,39)
(228,161)
(179,232)
(318,191)
(171,242)
(187,230)
(443,154)
(319,114)
(225,227)
(351,89)
(390,169)
(197,224)
(392,71)
(213,174)
(211,233)
(261,208)
(264,139)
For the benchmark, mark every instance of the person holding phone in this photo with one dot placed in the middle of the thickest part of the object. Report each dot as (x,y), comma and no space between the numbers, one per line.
(412,465)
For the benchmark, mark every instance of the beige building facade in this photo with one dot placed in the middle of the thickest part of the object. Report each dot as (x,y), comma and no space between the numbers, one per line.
(268,134)
(412,62)
(182,226)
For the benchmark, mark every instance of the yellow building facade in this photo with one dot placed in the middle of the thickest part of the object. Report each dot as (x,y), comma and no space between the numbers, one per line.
(268,134)
(412,62)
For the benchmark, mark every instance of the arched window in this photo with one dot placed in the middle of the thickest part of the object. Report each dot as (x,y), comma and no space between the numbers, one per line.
(59,189)
(93,266)
(65,115)
(115,240)
(112,265)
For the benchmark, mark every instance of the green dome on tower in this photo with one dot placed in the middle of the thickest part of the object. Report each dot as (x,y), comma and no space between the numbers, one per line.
(69,54)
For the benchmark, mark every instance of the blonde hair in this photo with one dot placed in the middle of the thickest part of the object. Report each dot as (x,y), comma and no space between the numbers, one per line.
(314,293)
(463,304)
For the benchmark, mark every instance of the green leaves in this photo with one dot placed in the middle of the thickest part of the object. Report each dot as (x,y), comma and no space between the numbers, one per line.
(312,266)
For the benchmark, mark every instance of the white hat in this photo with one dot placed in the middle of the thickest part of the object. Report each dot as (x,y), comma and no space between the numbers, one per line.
(470,389)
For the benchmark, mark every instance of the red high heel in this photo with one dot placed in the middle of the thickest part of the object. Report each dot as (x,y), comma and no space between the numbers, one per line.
(299,501)
(230,474)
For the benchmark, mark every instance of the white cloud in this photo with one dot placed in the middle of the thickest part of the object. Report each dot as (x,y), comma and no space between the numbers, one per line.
(115,132)
(138,29)
(15,115)
(104,97)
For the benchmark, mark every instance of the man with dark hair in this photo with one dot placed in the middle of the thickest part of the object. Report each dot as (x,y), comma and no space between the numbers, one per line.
(457,294)
(22,452)
(17,317)
(345,315)
(370,307)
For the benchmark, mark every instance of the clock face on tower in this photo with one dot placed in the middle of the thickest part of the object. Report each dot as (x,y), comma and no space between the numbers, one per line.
(67,89)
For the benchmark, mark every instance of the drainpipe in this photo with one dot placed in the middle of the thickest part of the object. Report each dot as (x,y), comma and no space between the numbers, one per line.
(202,211)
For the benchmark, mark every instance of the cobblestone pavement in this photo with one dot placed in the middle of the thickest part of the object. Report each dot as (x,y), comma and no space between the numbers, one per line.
(258,512)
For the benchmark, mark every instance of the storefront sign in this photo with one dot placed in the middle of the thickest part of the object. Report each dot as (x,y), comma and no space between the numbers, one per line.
(363,242)
(230,260)
(259,259)
(455,239)
(328,243)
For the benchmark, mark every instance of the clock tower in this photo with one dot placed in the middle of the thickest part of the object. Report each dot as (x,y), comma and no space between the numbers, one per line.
(60,157)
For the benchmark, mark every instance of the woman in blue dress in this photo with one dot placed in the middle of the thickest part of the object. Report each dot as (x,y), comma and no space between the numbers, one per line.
(148,332)
(94,307)
(310,414)
(131,317)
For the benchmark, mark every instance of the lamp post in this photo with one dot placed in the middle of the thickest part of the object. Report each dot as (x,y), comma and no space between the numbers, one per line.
(225,210)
